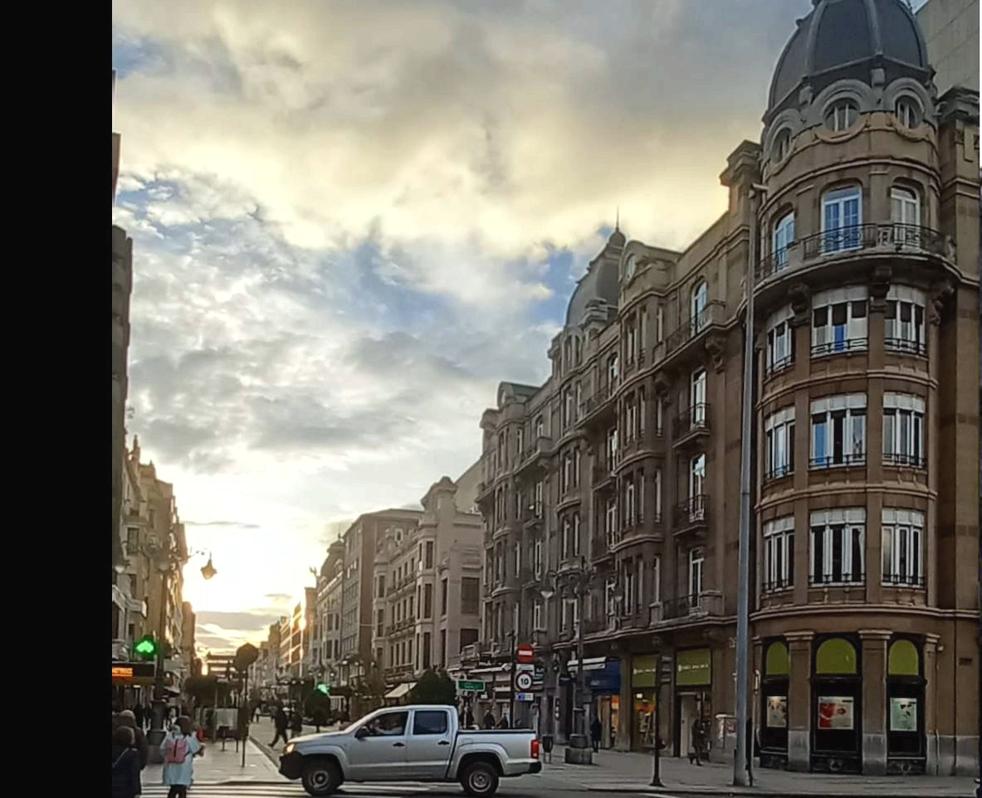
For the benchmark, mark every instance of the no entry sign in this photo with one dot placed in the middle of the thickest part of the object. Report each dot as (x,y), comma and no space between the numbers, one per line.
(524,652)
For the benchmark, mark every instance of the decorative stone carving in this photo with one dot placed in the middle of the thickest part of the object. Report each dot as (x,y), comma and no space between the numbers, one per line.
(799,294)
(939,296)
(663,385)
(716,349)
(879,285)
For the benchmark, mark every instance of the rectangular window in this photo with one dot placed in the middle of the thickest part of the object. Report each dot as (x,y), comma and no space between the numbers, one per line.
(779,444)
(567,537)
(903,430)
(903,532)
(779,554)
(610,521)
(780,341)
(697,399)
(838,546)
(443,596)
(537,558)
(841,219)
(839,321)
(697,562)
(659,414)
(380,623)
(657,489)
(576,534)
(783,237)
(470,588)
(429,554)
(659,324)
(904,321)
(838,431)
(656,580)
(537,616)
(427,645)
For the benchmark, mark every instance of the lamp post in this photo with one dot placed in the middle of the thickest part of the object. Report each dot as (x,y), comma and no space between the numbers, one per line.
(547,591)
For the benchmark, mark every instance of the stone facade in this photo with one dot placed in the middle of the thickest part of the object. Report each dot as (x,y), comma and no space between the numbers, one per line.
(620,474)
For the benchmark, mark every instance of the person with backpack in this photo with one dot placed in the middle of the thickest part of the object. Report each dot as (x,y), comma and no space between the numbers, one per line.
(128,719)
(179,748)
(126,764)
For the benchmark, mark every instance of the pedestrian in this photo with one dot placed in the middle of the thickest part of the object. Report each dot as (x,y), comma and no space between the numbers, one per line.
(179,749)
(280,723)
(595,729)
(126,764)
(503,723)
(696,743)
(138,715)
(488,721)
(256,707)
(128,719)
(296,721)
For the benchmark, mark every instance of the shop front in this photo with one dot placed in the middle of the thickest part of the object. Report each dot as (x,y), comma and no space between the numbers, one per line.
(604,685)
(773,719)
(906,751)
(837,701)
(693,696)
(644,670)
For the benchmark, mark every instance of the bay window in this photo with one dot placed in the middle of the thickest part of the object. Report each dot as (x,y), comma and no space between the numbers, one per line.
(838,546)
(780,341)
(779,553)
(779,443)
(903,429)
(904,320)
(839,322)
(842,214)
(838,430)
(903,533)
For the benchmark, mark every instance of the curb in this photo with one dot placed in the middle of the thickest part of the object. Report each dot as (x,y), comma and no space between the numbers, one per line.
(647,789)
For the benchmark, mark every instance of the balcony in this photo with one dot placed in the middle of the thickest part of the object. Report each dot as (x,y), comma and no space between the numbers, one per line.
(842,346)
(886,238)
(603,474)
(532,515)
(903,580)
(710,316)
(534,455)
(599,404)
(691,424)
(695,605)
(837,460)
(898,460)
(692,514)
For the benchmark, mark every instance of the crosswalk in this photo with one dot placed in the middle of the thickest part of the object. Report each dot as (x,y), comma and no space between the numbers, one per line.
(284,790)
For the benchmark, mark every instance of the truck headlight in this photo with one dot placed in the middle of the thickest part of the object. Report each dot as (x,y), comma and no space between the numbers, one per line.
(289,748)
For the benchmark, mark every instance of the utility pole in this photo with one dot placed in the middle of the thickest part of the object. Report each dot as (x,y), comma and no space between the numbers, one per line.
(656,767)
(580,670)
(741,770)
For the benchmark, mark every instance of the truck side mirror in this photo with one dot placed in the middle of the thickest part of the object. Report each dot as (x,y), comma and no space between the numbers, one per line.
(362,733)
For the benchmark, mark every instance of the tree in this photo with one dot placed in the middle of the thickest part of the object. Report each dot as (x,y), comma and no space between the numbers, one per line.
(202,689)
(433,688)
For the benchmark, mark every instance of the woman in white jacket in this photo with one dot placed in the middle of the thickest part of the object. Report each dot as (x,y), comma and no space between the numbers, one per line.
(179,749)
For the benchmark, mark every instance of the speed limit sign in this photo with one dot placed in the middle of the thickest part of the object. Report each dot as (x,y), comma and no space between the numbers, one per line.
(523,680)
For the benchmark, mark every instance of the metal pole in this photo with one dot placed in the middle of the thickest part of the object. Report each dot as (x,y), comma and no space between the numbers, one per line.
(580,674)
(156,733)
(245,728)
(656,767)
(511,686)
(740,771)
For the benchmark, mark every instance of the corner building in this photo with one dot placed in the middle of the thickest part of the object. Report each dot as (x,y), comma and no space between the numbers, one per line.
(859,212)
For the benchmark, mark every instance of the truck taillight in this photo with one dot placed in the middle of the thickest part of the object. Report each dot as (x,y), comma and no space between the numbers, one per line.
(534,748)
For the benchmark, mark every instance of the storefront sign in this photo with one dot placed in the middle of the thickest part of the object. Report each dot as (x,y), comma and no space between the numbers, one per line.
(693,667)
(777,712)
(835,712)
(134,672)
(470,686)
(903,714)
(643,671)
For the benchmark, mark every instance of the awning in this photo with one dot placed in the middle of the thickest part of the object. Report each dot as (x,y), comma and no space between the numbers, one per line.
(589,664)
(400,690)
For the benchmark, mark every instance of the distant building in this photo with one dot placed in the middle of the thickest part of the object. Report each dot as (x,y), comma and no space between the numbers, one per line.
(951,30)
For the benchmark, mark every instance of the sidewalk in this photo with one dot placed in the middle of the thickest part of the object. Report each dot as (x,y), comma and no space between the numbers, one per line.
(225,767)
(615,771)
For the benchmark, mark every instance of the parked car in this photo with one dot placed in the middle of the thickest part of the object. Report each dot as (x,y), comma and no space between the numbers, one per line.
(411,743)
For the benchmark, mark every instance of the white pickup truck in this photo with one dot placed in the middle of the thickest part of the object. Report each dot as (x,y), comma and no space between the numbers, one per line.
(411,743)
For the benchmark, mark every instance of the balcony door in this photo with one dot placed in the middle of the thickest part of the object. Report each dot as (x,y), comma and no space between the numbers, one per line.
(697,399)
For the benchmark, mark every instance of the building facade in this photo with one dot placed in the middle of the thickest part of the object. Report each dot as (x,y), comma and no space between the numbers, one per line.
(951,33)
(611,492)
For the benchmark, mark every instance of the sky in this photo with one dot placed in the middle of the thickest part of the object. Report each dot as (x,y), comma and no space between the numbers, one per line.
(351,220)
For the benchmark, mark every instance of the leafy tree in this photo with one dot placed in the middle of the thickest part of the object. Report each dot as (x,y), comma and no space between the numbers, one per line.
(433,687)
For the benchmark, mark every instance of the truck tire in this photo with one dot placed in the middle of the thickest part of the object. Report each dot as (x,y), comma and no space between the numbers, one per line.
(479,779)
(321,777)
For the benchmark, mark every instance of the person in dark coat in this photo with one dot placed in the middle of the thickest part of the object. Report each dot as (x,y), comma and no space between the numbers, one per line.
(503,723)
(126,765)
(128,719)
(138,715)
(488,721)
(280,721)
(296,722)
(595,730)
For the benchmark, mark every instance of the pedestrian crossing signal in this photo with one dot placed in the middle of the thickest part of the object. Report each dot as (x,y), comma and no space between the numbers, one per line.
(146,648)
(324,689)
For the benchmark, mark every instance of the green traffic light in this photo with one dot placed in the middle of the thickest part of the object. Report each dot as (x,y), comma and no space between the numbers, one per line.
(323,688)
(147,647)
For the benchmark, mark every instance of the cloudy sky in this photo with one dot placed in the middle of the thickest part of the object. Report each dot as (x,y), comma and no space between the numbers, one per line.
(352,219)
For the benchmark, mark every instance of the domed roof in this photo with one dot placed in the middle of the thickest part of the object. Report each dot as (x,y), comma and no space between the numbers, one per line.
(845,36)
(599,286)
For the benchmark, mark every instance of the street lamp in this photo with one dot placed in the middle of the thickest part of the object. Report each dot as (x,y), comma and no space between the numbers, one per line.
(547,591)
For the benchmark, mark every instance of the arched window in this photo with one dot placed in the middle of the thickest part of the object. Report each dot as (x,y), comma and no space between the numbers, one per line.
(782,238)
(904,659)
(842,215)
(698,301)
(782,145)
(836,657)
(841,115)
(777,662)
(905,206)
(908,112)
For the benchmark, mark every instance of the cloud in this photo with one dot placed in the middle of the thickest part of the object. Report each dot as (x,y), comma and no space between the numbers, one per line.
(228,524)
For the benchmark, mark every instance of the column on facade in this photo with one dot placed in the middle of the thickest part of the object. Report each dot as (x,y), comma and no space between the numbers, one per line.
(799,700)
(625,717)
(929,669)
(874,738)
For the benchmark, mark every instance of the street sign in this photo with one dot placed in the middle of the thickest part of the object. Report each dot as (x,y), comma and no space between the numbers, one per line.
(523,680)
(134,672)
(524,652)
(527,697)
(466,686)
(524,666)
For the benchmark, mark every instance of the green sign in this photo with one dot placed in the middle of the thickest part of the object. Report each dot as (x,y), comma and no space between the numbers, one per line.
(470,687)
(693,667)
(146,647)
(643,671)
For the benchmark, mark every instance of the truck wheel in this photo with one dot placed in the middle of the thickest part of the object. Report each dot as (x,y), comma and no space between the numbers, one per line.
(321,777)
(480,779)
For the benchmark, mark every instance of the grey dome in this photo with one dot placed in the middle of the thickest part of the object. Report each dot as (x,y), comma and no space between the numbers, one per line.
(599,286)
(848,38)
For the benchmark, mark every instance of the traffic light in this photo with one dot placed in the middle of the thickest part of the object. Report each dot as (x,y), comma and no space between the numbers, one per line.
(324,689)
(146,648)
